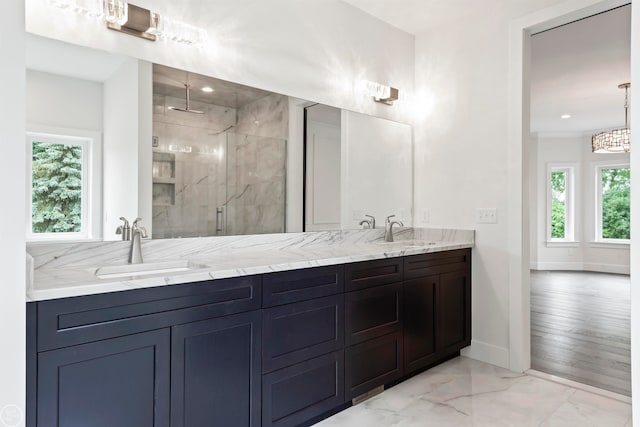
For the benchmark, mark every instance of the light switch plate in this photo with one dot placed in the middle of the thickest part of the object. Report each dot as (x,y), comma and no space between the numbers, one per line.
(486,216)
(425,215)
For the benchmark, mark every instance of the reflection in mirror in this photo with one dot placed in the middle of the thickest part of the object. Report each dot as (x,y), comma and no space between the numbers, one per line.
(218,165)
(252,161)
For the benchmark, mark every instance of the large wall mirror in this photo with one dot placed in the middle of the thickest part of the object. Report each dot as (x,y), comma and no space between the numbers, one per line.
(197,156)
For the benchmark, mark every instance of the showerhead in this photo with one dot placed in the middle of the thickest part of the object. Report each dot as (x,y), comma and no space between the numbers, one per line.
(187,108)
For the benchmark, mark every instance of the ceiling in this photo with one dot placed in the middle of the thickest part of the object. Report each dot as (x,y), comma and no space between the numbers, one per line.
(576,68)
(170,82)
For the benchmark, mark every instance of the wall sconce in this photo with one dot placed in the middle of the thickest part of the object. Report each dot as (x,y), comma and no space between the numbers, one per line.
(134,20)
(131,19)
(381,93)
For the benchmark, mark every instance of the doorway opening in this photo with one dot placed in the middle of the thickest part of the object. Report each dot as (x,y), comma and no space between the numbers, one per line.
(580,216)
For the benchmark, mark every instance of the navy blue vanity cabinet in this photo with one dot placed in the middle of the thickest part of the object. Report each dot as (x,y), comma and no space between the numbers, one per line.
(437,307)
(373,324)
(143,358)
(215,372)
(303,342)
(121,382)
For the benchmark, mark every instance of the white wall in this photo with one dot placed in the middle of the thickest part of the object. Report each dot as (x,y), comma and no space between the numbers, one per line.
(64,102)
(376,170)
(12,212)
(127,155)
(312,50)
(462,149)
(586,254)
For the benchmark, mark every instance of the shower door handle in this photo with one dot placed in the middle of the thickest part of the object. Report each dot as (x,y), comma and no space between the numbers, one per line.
(220,220)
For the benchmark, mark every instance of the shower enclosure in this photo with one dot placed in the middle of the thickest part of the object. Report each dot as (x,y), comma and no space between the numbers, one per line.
(224,184)
(219,157)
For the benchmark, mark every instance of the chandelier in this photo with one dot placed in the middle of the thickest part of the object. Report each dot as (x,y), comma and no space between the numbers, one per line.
(617,140)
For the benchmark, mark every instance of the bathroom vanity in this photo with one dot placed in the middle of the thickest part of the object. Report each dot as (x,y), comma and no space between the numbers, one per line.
(280,348)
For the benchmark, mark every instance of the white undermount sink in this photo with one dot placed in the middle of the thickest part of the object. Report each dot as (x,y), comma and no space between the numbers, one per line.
(408,243)
(145,268)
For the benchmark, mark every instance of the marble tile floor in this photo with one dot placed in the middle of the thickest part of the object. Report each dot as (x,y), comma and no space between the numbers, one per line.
(465,392)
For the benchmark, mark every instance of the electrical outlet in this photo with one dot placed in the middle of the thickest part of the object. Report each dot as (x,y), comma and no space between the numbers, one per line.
(357,214)
(486,215)
(425,215)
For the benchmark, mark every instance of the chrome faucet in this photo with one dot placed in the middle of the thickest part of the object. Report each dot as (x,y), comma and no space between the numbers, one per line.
(388,228)
(124,229)
(368,223)
(135,253)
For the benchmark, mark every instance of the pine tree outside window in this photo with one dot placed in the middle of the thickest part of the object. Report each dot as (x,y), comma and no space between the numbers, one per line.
(59,184)
(613,188)
(560,208)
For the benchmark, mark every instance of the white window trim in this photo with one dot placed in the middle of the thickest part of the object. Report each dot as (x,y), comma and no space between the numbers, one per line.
(91,142)
(599,241)
(570,170)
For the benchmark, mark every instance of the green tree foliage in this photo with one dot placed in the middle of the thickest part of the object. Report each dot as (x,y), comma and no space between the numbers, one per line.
(558,210)
(616,189)
(56,188)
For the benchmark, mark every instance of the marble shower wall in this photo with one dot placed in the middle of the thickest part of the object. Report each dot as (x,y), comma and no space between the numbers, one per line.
(189,167)
(257,172)
(226,160)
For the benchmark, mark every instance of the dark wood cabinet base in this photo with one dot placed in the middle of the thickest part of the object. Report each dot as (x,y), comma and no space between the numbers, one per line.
(275,350)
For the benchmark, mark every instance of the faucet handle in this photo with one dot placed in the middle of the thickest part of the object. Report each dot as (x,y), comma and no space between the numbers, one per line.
(372,220)
(143,232)
(135,223)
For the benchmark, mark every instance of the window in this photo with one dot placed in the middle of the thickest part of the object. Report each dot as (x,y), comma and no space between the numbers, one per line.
(560,212)
(59,168)
(613,188)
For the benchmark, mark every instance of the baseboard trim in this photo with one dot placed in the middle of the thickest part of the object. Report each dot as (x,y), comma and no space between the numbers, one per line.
(584,387)
(581,266)
(488,353)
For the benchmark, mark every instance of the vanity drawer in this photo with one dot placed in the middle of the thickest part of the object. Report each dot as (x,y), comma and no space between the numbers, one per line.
(294,395)
(367,274)
(301,331)
(77,320)
(300,285)
(373,363)
(437,263)
(371,313)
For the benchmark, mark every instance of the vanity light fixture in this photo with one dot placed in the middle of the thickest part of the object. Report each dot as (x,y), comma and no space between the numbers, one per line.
(131,19)
(616,140)
(381,93)
(565,116)
(207,89)
(134,20)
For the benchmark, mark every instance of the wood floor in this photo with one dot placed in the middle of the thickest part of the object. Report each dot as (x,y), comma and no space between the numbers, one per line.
(580,327)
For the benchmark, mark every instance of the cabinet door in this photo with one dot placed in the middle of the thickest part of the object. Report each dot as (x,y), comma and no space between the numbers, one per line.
(297,332)
(372,313)
(454,311)
(372,363)
(117,382)
(301,392)
(419,323)
(215,372)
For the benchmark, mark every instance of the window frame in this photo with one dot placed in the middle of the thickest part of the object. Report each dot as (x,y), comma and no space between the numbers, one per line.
(91,191)
(598,239)
(570,170)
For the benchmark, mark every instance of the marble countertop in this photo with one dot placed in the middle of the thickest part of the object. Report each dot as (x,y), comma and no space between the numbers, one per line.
(68,271)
